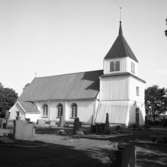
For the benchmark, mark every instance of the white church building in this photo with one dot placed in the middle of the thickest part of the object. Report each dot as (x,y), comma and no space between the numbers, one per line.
(116,89)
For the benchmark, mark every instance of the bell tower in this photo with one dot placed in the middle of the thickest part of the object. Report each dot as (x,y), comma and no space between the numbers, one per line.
(121,89)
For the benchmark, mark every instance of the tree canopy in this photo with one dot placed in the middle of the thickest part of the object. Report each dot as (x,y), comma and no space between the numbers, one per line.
(7,98)
(155,102)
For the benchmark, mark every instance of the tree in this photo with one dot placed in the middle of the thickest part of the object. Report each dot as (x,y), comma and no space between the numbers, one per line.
(155,102)
(7,99)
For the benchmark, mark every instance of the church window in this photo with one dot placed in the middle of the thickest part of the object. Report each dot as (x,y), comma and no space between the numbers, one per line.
(114,66)
(74,110)
(45,110)
(60,110)
(137,91)
(132,67)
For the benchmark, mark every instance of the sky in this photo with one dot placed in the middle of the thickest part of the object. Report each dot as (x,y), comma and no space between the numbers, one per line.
(50,37)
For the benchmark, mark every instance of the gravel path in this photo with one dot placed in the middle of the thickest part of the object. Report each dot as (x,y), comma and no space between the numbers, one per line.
(77,143)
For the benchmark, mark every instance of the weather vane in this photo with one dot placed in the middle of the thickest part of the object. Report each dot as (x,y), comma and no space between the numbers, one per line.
(120,13)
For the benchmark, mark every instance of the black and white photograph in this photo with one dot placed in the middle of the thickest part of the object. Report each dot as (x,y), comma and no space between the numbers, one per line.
(83,83)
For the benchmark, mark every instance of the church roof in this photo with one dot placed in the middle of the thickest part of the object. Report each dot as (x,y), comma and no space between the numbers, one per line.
(29,107)
(120,48)
(75,86)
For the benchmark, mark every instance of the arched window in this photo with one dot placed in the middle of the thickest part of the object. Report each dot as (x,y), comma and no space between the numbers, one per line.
(60,110)
(45,110)
(74,110)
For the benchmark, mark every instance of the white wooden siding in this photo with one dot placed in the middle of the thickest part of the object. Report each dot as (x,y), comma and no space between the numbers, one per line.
(114,88)
(117,110)
(120,112)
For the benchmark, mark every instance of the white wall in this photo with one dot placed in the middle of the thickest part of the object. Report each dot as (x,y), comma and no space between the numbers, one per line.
(52,109)
(114,88)
(133,83)
(85,110)
(33,117)
(125,65)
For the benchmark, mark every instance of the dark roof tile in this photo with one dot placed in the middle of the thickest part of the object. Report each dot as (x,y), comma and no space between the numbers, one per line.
(82,85)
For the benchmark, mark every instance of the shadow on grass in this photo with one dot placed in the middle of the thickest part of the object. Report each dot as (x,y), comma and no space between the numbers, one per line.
(154,155)
(49,156)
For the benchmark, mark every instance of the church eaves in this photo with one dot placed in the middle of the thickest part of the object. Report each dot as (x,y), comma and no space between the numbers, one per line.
(120,48)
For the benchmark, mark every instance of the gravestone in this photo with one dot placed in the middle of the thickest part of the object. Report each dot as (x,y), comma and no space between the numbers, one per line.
(23,130)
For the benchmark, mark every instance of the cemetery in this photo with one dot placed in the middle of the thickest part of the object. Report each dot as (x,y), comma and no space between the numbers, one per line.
(103,144)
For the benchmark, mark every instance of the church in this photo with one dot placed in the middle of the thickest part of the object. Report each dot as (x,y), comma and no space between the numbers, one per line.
(116,89)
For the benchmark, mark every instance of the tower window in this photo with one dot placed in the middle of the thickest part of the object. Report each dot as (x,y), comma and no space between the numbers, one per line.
(45,110)
(117,66)
(132,67)
(114,66)
(111,66)
(137,91)
(73,110)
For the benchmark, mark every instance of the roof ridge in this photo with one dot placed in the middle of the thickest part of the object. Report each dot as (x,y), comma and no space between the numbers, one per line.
(67,74)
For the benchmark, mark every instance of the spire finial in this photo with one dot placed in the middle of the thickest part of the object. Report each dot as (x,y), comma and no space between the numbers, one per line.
(120,22)
(120,9)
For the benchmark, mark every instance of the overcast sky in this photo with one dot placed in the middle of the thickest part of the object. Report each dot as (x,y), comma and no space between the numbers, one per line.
(51,37)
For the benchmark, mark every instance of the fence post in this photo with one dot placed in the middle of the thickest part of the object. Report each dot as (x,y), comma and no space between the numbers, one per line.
(124,156)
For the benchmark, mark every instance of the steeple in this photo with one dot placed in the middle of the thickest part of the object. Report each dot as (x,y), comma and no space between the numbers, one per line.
(120,48)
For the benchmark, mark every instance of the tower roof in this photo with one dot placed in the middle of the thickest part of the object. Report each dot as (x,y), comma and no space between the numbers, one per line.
(120,48)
